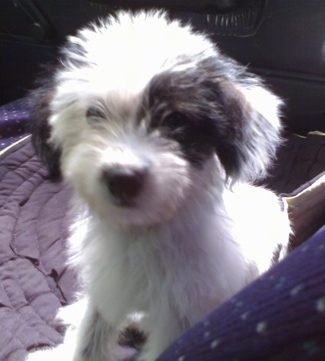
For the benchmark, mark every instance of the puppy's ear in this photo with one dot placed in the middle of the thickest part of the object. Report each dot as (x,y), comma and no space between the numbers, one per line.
(39,107)
(249,131)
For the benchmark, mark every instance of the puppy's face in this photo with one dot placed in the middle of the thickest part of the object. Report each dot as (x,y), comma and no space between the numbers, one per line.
(143,112)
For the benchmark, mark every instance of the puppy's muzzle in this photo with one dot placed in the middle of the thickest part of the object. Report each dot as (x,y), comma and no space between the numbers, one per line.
(124,183)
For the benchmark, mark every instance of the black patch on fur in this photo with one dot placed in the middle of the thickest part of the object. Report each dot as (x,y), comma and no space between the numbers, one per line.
(133,337)
(218,114)
(214,121)
(39,101)
(39,105)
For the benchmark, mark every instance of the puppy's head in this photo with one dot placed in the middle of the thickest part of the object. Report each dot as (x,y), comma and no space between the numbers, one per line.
(144,113)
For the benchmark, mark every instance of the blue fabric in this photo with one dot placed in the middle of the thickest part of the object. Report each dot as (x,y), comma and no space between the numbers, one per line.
(279,317)
(14,122)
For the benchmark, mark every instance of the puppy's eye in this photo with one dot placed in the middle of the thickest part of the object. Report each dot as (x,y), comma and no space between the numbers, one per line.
(175,120)
(95,113)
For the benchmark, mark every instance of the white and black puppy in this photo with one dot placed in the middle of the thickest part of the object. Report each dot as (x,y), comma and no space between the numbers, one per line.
(159,135)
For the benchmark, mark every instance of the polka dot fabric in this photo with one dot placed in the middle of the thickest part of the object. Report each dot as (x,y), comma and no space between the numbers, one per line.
(280,317)
(14,118)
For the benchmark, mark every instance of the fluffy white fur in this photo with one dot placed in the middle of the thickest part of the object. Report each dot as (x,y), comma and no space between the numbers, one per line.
(197,234)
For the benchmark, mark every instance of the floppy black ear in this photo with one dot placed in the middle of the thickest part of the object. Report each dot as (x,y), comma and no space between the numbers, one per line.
(39,107)
(248,128)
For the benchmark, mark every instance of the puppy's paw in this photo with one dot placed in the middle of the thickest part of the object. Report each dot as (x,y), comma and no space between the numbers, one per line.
(123,353)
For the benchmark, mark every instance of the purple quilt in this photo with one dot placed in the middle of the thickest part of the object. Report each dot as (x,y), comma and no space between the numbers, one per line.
(34,280)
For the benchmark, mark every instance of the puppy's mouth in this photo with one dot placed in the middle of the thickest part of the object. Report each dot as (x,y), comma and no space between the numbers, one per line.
(124,203)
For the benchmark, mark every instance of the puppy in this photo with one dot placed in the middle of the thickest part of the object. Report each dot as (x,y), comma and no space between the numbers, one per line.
(160,136)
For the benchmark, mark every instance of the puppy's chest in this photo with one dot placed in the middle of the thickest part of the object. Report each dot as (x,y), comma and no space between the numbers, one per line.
(143,267)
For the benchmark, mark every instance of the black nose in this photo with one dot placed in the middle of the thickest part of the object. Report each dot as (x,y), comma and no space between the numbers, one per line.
(124,183)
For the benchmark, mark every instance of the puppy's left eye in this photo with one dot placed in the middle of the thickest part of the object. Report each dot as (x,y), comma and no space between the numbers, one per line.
(95,113)
(175,120)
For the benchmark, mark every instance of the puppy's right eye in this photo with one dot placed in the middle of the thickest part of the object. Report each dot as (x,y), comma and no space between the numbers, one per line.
(175,120)
(95,113)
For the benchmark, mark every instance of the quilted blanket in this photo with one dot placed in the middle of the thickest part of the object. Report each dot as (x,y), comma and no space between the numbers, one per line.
(34,278)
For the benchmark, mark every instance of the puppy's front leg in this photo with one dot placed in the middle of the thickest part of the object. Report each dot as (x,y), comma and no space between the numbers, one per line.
(86,339)
(97,340)
(93,337)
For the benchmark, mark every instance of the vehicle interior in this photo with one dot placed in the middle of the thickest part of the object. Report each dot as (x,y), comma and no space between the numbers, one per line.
(283,42)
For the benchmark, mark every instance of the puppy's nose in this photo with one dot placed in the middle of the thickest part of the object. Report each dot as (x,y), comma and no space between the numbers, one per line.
(124,183)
